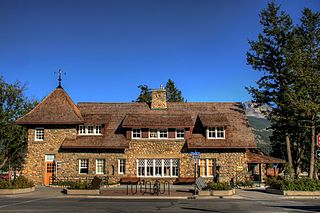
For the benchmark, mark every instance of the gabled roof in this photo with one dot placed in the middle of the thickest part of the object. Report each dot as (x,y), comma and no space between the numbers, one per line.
(56,108)
(158,121)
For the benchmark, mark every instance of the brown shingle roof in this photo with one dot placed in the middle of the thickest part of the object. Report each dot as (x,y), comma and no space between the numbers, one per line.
(96,142)
(260,158)
(214,120)
(56,108)
(157,121)
(96,118)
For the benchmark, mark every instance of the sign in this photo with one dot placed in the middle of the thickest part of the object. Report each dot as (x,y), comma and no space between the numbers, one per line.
(318,140)
(239,168)
(318,154)
(195,156)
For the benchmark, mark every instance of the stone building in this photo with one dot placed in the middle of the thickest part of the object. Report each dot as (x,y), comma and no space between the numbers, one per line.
(150,141)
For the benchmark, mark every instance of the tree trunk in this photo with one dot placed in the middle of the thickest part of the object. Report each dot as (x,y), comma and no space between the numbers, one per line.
(3,163)
(289,151)
(313,135)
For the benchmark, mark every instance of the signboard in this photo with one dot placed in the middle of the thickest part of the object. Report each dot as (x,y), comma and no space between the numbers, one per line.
(195,156)
(318,154)
(239,168)
(318,140)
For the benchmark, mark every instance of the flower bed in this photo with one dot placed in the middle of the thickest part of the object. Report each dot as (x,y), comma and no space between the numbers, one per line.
(217,189)
(16,186)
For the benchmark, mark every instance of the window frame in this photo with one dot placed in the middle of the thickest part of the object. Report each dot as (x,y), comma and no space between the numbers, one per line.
(184,133)
(120,165)
(83,129)
(158,131)
(174,167)
(36,134)
(80,167)
(46,159)
(216,131)
(103,166)
(207,160)
(132,133)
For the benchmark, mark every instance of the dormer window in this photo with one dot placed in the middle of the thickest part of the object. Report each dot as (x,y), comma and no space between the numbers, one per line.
(158,133)
(216,133)
(90,129)
(136,133)
(179,133)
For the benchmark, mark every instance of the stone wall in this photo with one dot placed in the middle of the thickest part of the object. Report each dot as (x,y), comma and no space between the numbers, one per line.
(138,149)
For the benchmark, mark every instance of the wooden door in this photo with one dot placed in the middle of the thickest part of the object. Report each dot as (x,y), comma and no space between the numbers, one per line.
(49,172)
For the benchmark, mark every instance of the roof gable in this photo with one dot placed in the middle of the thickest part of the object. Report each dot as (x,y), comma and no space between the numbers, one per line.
(56,108)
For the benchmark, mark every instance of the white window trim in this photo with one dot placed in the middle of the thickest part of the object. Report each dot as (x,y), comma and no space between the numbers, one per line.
(121,173)
(104,165)
(154,168)
(158,134)
(136,137)
(184,134)
(86,130)
(46,155)
(83,167)
(35,133)
(216,133)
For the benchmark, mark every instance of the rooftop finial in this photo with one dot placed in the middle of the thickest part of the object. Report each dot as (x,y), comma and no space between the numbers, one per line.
(59,73)
(161,86)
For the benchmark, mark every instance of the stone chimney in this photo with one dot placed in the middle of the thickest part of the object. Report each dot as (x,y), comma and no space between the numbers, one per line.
(159,99)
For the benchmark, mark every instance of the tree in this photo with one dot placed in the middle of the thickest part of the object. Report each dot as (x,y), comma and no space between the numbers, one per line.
(268,55)
(173,94)
(13,138)
(145,94)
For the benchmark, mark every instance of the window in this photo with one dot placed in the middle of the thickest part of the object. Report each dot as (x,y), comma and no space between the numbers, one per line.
(153,133)
(158,167)
(121,166)
(100,166)
(163,133)
(82,130)
(98,130)
(158,133)
(216,133)
(180,133)
(49,158)
(136,133)
(90,129)
(83,166)
(206,167)
(39,134)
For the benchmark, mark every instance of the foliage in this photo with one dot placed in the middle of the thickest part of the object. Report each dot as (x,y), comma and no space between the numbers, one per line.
(246,183)
(18,183)
(304,184)
(288,56)
(218,186)
(13,104)
(173,94)
(78,185)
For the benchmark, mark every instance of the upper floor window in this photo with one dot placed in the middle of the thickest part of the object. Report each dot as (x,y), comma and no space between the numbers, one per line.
(216,133)
(158,133)
(39,134)
(180,133)
(136,133)
(90,129)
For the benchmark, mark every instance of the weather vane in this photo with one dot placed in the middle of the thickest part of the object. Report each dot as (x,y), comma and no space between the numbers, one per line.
(60,73)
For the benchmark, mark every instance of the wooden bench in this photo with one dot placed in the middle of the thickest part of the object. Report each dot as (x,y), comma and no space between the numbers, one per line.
(185,180)
(129,180)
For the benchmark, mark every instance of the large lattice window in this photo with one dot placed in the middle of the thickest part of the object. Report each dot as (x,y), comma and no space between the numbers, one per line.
(83,166)
(100,166)
(158,167)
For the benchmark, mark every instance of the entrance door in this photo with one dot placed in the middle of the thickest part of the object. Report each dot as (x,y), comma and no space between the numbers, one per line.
(49,172)
(49,169)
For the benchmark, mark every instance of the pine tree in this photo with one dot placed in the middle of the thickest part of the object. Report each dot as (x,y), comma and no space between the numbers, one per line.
(173,94)
(145,94)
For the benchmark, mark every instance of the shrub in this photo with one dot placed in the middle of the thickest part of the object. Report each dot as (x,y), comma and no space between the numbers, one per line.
(246,183)
(304,184)
(78,185)
(18,183)
(218,186)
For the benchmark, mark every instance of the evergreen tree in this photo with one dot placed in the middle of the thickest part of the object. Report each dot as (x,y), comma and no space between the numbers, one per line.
(173,94)
(13,138)
(145,94)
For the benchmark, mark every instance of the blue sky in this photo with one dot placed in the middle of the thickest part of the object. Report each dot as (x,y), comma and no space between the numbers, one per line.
(107,48)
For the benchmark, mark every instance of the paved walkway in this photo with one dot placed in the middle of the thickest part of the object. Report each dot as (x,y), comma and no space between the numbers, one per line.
(257,194)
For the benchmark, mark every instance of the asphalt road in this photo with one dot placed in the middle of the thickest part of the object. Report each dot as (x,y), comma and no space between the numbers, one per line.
(28,204)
